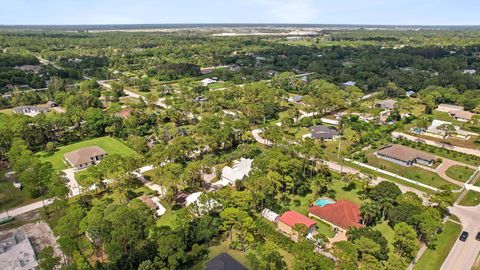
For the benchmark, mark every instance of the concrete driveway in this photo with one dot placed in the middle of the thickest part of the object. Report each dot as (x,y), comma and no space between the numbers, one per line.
(72,184)
(463,254)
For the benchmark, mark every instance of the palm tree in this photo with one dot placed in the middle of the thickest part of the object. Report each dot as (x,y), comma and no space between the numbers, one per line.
(370,212)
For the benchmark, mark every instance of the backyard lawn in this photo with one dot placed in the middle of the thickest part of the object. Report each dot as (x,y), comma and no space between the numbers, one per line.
(460,173)
(109,144)
(472,198)
(433,259)
(412,173)
(168,219)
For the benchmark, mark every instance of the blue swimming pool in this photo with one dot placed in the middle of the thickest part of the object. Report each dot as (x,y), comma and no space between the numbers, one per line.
(322,202)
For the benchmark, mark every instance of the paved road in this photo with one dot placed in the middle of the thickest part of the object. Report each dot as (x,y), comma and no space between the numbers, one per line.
(75,190)
(463,254)
(464,150)
(259,139)
(25,209)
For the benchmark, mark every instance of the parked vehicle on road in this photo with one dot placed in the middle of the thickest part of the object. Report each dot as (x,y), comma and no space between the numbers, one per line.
(464,236)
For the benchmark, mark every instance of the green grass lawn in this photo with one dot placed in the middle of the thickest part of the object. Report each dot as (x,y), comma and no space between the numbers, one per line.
(109,144)
(433,259)
(11,197)
(472,198)
(168,219)
(7,111)
(460,173)
(412,173)
(386,231)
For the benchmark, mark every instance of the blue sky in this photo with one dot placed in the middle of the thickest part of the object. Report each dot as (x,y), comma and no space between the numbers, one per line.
(400,12)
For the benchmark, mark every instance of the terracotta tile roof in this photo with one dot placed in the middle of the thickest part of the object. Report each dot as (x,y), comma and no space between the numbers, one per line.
(291,218)
(343,214)
(404,153)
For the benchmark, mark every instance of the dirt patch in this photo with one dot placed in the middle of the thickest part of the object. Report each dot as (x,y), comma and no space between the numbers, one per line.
(39,234)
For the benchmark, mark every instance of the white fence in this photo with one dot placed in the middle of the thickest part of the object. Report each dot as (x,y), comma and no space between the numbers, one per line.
(391,174)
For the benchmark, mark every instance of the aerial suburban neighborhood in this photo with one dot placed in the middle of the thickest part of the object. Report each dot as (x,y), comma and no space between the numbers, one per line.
(237,146)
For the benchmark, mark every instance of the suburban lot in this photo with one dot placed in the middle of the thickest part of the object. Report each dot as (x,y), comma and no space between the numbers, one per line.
(110,145)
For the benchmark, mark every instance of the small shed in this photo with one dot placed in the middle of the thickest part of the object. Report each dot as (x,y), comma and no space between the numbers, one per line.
(270,215)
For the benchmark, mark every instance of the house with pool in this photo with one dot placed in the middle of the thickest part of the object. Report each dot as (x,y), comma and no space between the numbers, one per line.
(341,215)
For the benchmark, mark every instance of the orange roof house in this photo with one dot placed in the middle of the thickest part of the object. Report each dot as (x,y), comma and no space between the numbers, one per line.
(289,219)
(342,214)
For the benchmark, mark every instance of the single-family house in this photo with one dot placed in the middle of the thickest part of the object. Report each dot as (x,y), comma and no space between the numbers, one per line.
(349,83)
(207,81)
(295,99)
(469,71)
(388,104)
(324,132)
(30,110)
(84,157)
(409,93)
(17,253)
(434,130)
(224,262)
(154,204)
(206,70)
(405,156)
(341,215)
(51,104)
(270,215)
(462,116)
(238,171)
(289,219)
(448,108)
(456,112)
(200,206)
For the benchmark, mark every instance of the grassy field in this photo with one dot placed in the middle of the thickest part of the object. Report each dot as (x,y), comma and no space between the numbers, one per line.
(11,197)
(386,231)
(109,144)
(460,173)
(472,198)
(433,259)
(413,173)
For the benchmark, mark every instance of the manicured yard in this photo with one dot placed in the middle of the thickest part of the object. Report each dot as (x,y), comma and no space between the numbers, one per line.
(324,228)
(433,259)
(472,198)
(460,173)
(109,144)
(413,173)
(11,197)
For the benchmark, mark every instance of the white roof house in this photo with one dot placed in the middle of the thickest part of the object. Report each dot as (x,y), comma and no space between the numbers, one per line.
(207,81)
(198,206)
(433,130)
(238,171)
(469,71)
(270,215)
